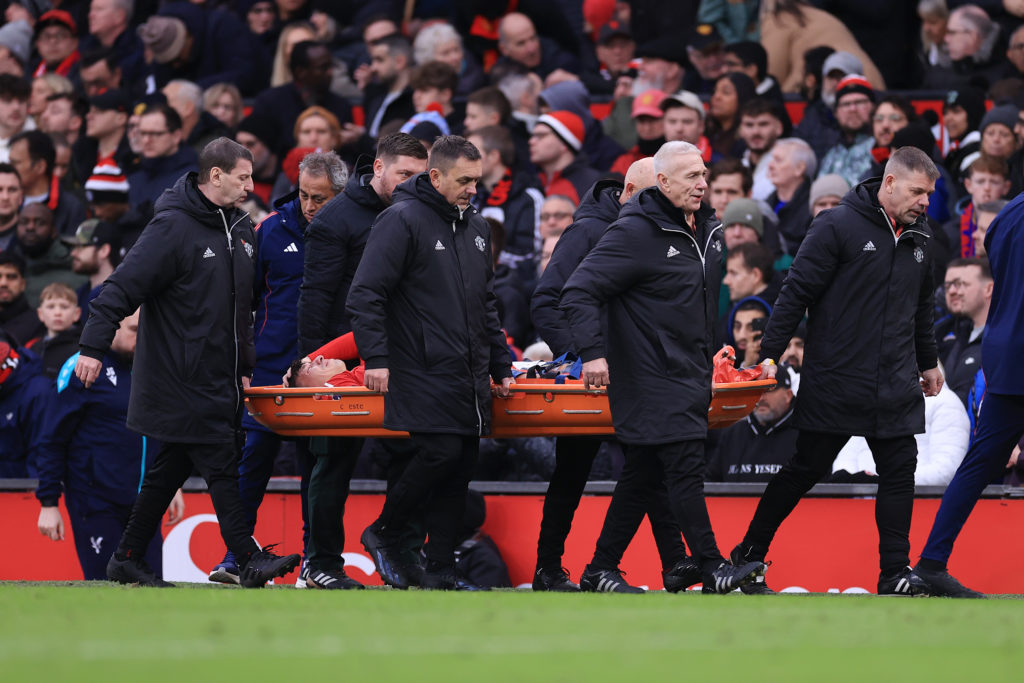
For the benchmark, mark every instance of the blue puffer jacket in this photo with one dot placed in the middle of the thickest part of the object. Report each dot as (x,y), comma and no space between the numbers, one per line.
(281,252)
(83,446)
(20,398)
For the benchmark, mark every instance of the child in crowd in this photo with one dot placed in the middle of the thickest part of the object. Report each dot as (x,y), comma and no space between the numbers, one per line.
(59,312)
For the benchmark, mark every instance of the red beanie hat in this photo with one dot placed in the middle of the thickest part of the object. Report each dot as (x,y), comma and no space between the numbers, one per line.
(567,126)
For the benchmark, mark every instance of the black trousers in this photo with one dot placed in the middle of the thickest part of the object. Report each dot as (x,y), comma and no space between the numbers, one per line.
(895,460)
(218,465)
(671,474)
(574,457)
(328,491)
(435,482)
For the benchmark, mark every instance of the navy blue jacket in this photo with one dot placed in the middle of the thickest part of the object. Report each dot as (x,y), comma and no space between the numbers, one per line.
(83,446)
(1003,346)
(335,240)
(422,305)
(599,208)
(869,297)
(660,284)
(159,174)
(280,253)
(20,407)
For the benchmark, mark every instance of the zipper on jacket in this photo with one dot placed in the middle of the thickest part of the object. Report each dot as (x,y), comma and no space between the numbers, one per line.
(476,399)
(234,302)
(892,228)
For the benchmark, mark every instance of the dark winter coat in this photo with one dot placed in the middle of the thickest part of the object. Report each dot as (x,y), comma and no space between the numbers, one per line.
(280,252)
(599,209)
(794,215)
(750,452)
(283,105)
(335,240)
(422,305)
(869,295)
(660,283)
(517,205)
(158,174)
(21,407)
(192,271)
(21,322)
(1001,349)
(83,446)
(224,50)
(960,355)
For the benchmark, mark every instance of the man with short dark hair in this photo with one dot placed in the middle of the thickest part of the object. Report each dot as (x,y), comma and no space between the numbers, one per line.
(968,287)
(64,116)
(33,155)
(104,142)
(99,71)
(192,271)
(312,68)
(749,271)
(165,157)
(873,247)
(14,94)
(279,263)
(761,125)
(389,97)
(19,320)
(47,259)
(10,204)
(427,255)
(95,252)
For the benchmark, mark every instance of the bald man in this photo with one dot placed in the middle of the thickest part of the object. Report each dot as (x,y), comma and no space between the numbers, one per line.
(519,43)
(641,309)
(575,455)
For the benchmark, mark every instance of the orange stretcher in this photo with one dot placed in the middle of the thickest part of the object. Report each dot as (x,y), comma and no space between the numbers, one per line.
(537,407)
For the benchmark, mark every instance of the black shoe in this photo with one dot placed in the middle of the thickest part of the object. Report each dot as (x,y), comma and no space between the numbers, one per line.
(264,566)
(441,578)
(385,558)
(134,571)
(605,581)
(555,581)
(680,577)
(742,554)
(331,579)
(942,584)
(905,582)
(729,577)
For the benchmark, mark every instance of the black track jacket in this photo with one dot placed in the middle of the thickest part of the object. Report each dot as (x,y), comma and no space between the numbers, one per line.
(422,305)
(869,297)
(192,271)
(660,283)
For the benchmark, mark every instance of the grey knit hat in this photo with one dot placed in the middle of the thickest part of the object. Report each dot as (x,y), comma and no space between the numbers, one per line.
(1005,114)
(17,37)
(743,212)
(830,185)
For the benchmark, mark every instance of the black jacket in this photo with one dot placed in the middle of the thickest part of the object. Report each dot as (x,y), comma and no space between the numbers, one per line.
(334,247)
(516,201)
(869,296)
(21,322)
(422,306)
(794,216)
(660,283)
(599,209)
(192,273)
(750,452)
(961,356)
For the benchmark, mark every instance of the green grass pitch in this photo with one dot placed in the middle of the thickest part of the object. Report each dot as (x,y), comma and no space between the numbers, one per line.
(101,632)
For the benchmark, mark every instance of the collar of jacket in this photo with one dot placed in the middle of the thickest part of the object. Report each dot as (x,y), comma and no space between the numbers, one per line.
(422,189)
(762,430)
(667,216)
(601,201)
(185,196)
(864,199)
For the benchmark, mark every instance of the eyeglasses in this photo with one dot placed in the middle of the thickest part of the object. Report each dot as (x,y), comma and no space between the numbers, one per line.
(555,216)
(956,284)
(153,133)
(895,118)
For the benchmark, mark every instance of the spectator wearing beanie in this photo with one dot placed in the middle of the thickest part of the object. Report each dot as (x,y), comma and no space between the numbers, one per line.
(958,134)
(555,145)
(997,136)
(15,47)
(106,190)
(851,156)
(258,134)
(827,192)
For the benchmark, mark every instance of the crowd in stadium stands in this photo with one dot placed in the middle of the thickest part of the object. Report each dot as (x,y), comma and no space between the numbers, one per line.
(105,104)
